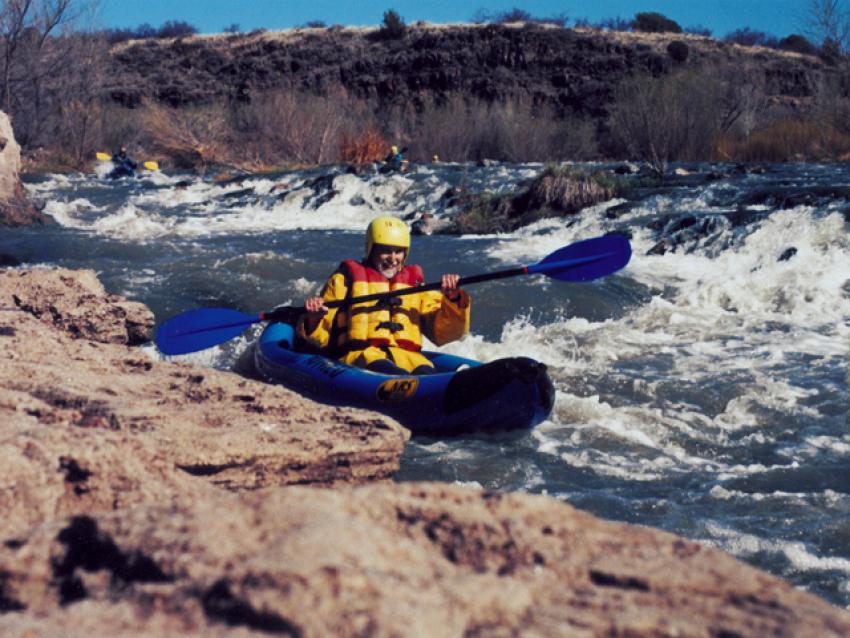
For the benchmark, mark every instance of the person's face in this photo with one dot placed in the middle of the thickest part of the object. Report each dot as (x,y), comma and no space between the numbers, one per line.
(387,260)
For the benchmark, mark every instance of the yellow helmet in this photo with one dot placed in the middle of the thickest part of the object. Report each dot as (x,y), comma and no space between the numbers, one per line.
(389,231)
(394,148)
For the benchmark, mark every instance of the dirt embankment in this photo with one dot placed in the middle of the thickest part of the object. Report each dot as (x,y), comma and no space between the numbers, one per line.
(143,498)
(572,70)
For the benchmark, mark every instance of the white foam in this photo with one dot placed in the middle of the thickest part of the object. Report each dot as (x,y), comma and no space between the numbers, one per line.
(798,554)
(70,213)
(130,222)
(721,307)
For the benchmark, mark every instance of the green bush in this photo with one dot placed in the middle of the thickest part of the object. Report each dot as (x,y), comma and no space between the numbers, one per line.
(393,26)
(655,23)
(798,44)
(678,50)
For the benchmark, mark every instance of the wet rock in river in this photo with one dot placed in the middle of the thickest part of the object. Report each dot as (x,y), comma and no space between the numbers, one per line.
(8,260)
(787,254)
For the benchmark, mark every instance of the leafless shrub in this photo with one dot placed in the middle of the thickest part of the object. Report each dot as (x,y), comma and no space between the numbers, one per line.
(675,117)
(285,126)
(191,136)
(40,63)
(744,102)
(831,105)
(81,110)
(829,21)
(514,132)
(270,130)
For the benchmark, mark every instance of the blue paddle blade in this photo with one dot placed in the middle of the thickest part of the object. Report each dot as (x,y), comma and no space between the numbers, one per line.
(200,329)
(586,260)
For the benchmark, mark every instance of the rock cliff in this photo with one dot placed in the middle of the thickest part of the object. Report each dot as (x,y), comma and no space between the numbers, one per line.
(571,70)
(10,156)
(144,498)
(15,209)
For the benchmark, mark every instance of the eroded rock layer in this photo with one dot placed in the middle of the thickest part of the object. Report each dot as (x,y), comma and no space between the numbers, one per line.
(149,498)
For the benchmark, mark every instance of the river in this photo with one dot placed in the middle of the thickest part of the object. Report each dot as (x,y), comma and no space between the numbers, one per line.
(702,390)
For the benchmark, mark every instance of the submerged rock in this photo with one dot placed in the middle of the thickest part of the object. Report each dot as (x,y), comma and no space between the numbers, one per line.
(787,254)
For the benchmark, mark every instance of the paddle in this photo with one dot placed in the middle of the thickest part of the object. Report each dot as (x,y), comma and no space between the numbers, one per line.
(206,327)
(106,157)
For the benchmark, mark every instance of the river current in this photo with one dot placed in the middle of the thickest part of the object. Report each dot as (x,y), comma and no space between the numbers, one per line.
(702,390)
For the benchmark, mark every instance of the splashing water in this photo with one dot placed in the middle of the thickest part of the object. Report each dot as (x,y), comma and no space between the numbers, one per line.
(702,390)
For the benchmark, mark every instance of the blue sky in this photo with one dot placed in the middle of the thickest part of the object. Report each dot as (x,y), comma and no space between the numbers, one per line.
(777,17)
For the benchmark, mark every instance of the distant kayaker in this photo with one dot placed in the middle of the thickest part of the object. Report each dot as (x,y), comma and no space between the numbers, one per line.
(395,161)
(385,336)
(123,165)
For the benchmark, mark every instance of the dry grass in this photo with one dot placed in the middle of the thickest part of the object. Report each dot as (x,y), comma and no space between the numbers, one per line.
(566,191)
(556,192)
(788,140)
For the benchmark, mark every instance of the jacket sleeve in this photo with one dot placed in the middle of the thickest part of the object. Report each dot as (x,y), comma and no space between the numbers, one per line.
(334,290)
(443,320)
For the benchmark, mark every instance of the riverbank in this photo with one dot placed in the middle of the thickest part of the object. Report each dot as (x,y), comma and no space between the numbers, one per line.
(155,497)
(515,92)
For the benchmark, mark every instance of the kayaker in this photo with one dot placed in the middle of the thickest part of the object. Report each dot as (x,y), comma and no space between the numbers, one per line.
(395,161)
(123,165)
(384,336)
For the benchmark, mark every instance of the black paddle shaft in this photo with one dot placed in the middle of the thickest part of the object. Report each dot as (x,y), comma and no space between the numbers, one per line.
(289,313)
(436,285)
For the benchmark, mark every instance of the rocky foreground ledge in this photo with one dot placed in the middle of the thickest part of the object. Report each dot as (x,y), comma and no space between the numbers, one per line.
(146,498)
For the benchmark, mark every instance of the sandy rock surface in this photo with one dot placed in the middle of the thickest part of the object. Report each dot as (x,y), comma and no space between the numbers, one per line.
(382,560)
(88,426)
(147,498)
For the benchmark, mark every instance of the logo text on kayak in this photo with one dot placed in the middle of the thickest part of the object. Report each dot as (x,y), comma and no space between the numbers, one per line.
(397,389)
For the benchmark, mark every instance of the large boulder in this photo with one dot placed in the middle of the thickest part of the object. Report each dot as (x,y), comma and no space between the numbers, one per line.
(89,424)
(15,209)
(77,304)
(415,559)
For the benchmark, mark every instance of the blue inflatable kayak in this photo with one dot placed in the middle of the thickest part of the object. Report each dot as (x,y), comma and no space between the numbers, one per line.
(504,394)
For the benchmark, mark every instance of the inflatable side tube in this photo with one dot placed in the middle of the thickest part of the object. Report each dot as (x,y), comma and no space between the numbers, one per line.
(474,385)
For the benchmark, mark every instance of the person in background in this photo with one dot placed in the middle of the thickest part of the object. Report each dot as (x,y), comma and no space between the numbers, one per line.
(394,160)
(384,336)
(123,165)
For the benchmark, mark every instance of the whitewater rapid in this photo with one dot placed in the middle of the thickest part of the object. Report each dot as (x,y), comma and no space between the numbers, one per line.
(703,389)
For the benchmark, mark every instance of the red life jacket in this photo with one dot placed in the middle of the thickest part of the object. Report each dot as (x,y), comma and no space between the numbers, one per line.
(390,322)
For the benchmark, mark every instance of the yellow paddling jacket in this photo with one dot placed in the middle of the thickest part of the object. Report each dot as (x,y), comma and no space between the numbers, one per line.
(390,328)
